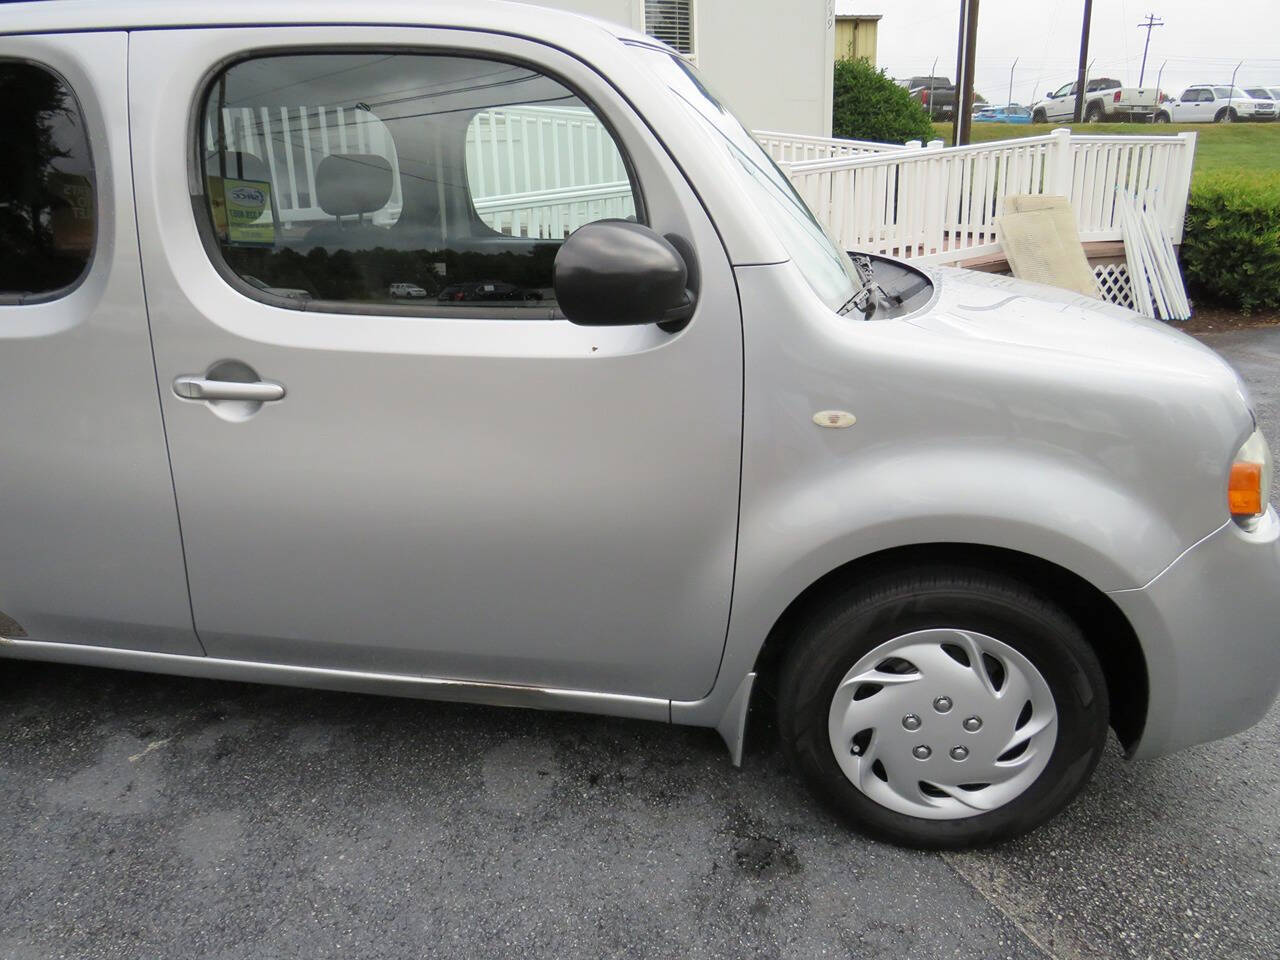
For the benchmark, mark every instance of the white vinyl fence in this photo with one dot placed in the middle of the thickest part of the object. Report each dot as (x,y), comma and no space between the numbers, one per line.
(940,204)
(795,147)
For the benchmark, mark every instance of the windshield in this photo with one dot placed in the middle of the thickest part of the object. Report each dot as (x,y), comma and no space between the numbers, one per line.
(828,270)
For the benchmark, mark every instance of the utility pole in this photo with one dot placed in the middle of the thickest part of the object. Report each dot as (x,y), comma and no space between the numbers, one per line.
(1084,58)
(955,103)
(1011,69)
(1149,24)
(965,62)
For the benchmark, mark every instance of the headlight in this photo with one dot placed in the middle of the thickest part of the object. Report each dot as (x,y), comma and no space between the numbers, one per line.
(1250,485)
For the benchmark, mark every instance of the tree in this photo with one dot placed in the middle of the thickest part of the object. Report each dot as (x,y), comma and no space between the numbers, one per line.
(35,108)
(867,105)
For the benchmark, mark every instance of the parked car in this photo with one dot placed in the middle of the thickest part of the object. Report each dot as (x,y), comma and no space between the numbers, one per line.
(291,293)
(486,290)
(409,290)
(936,94)
(1012,113)
(1104,100)
(1212,103)
(1265,93)
(949,525)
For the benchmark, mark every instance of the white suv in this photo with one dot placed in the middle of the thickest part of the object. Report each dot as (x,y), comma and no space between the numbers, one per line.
(1203,102)
(410,290)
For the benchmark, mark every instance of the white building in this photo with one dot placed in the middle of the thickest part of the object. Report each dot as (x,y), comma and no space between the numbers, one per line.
(770,60)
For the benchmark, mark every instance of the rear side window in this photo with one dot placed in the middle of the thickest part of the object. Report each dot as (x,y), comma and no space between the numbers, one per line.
(47,217)
(362,181)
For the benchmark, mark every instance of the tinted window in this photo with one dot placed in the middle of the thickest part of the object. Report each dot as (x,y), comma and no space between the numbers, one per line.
(376,178)
(46,185)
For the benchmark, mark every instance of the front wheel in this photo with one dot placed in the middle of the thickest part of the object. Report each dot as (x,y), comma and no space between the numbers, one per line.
(1226,116)
(943,709)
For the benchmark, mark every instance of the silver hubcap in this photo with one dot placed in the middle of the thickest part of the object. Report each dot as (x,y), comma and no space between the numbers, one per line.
(943,724)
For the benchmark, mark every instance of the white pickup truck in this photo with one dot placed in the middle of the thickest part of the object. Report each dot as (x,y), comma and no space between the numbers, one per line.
(1105,99)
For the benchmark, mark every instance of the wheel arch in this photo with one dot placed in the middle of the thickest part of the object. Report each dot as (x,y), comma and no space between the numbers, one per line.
(1105,627)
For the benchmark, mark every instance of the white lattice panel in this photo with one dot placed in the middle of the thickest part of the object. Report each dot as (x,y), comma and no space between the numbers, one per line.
(1113,283)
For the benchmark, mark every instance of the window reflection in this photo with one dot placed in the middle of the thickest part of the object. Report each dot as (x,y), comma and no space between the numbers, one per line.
(402,179)
(47,214)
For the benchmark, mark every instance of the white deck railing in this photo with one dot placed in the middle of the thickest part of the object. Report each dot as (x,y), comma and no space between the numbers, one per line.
(941,204)
(795,147)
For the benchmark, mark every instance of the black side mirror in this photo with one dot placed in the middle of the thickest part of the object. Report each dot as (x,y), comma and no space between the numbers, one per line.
(613,273)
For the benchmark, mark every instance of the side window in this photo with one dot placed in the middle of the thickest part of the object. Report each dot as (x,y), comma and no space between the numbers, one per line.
(47,214)
(348,180)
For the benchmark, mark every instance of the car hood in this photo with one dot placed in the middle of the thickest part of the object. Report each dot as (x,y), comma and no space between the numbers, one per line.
(1010,314)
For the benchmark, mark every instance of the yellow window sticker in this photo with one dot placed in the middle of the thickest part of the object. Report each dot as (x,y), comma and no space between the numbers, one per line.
(242,211)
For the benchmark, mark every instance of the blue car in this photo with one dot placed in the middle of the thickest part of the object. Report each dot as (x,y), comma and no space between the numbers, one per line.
(1013,113)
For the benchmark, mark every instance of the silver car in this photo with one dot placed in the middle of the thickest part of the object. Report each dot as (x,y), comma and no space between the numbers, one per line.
(950,527)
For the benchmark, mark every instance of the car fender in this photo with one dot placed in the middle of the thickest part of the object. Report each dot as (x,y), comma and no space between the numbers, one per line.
(943,440)
(793,536)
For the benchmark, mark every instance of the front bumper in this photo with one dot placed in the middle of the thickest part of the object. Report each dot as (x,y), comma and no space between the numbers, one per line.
(1209,626)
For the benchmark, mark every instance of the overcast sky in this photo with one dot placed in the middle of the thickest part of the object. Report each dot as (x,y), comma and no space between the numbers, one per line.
(1202,40)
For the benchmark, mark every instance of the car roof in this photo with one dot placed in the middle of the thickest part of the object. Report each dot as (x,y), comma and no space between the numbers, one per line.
(48,16)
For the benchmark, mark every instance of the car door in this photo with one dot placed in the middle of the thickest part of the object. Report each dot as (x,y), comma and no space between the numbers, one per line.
(90,551)
(474,488)
(1195,106)
(1063,104)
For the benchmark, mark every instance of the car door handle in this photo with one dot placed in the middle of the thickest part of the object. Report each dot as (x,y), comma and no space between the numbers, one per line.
(191,387)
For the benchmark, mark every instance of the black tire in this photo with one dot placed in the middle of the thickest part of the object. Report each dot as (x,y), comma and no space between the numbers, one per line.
(1162,118)
(1093,113)
(1226,115)
(1040,117)
(832,641)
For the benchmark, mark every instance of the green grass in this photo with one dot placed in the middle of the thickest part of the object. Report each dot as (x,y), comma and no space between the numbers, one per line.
(1253,147)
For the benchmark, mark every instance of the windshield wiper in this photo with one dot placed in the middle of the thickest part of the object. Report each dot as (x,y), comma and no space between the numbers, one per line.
(864,301)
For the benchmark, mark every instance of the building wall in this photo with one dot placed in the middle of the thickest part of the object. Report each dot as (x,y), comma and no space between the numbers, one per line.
(771,62)
(856,39)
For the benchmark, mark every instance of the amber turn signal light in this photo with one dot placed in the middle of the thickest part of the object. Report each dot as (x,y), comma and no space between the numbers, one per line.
(1244,492)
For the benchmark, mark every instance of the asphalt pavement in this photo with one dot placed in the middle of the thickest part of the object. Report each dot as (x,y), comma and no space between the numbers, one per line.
(154,817)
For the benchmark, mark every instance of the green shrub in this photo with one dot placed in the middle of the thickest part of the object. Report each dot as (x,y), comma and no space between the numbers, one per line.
(867,105)
(1231,244)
